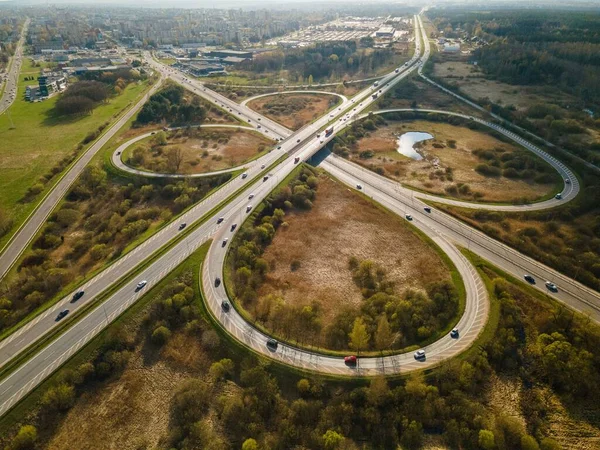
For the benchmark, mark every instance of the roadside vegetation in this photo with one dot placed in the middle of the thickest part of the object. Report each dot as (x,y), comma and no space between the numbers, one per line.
(566,238)
(170,105)
(196,150)
(293,271)
(163,378)
(36,145)
(294,110)
(463,160)
(99,219)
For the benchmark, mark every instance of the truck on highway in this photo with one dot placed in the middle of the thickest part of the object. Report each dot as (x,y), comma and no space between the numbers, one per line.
(329,131)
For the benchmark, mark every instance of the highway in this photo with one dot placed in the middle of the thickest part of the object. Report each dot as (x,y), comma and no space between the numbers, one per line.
(12,82)
(304,143)
(272,94)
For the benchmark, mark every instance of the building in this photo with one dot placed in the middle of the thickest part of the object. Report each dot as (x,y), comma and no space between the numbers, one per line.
(451,47)
(228,53)
(54,82)
(385,32)
(32,92)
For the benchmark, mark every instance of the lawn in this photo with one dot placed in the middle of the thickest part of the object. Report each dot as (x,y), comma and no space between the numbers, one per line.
(32,143)
(449,162)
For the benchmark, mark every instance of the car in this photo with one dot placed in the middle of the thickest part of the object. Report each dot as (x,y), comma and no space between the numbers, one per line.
(427,209)
(567,181)
(217,282)
(244,175)
(153,133)
(408,217)
(529,279)
(140,285)
(454,333)
(272,344)
(225,306)
(265,178)
(551,286)
(322,141)
(220,219)
(318,135)
(298,140)
(224,242)
(258,118)
(249,120)
(279,147)
(420,354)
(558,196)
(258,126)
(77,295)
(182,225)
(262,166)
(251,196)
(118,153)
(350,360)
(61,314)
(359,186)
(233,226)
(248,208)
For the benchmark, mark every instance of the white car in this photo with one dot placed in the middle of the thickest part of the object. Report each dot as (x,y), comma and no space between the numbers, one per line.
(420,354)
(141,284)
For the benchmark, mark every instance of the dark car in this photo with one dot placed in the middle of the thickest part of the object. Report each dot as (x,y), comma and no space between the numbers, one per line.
(77,295)
(272,344)
(265,178)
(454,333)
(62,314)
(427,209)
(225,306)
(217,282)
(182,225)
(224,243)
(220,219)
(233,226)
(529,279)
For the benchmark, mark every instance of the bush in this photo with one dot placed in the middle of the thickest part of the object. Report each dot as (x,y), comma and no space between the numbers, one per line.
(161,335)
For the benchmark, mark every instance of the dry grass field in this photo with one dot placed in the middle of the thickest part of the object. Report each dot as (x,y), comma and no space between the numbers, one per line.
(294,110)
(205,150)
(441,155)
(342,225)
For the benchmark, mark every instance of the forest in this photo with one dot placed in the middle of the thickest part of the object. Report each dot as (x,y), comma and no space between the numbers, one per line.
(170,105)
(322,61)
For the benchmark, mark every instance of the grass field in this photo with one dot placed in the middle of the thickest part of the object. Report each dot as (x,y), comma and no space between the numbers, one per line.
(294,110)
(447,161)
(205,150)
(32,142)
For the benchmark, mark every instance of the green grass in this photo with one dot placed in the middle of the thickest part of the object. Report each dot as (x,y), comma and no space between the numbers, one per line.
(456,278)
(28,404)
(39,141)
(167,61)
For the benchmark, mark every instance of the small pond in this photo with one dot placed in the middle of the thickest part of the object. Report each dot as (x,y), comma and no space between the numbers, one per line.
(407,141)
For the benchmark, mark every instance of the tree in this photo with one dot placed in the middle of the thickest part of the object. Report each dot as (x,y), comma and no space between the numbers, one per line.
(25,438)
(250,444)
(303,386)
(529,443)
(161,335)
(174,159)
(221,369)
(59,398)
(486,440)
(383,335)
(332,440)
(359,338)
(310,80)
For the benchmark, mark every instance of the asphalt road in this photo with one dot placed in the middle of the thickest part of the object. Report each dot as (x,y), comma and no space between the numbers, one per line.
(15,247)
(11,85)
(270,94)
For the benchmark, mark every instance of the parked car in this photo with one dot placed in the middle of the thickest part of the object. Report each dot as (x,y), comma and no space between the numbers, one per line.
(420,354)
(62,314)
(77,295)
(350,360)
